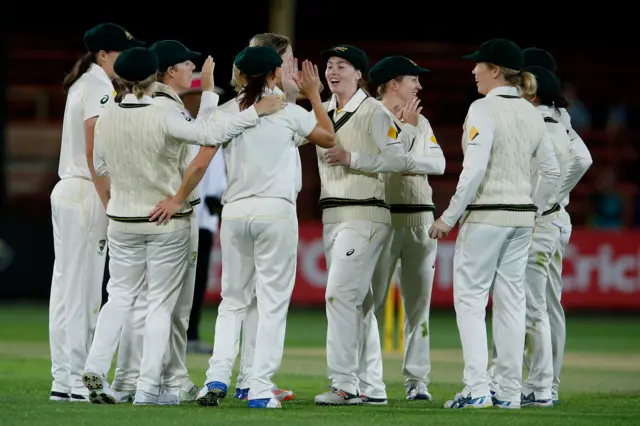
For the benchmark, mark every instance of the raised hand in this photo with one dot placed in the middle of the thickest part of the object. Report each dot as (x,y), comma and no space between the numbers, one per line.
(289,69)
(206,75)
(411,111)
(309,80)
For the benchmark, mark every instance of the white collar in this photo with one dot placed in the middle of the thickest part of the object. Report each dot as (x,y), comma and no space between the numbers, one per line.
(130,98)
(504,90)
(352,105)
(161,87)
(99,72)
(546,111)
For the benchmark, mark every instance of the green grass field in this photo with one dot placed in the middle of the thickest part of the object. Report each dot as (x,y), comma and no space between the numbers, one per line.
(600,386)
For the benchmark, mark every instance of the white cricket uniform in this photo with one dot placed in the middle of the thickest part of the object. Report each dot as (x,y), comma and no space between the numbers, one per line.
(130,350)
(579,163)
(250,321)
(546,236)
(410,198)
(356,225)
(136,145)
(395,157)
(502,134)
(79,239)
(259,239)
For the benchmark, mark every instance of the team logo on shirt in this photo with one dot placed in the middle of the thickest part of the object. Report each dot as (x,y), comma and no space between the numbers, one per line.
(193,257)
(186,116)
(104,99)
(101,245)
(392,133)
(473,133)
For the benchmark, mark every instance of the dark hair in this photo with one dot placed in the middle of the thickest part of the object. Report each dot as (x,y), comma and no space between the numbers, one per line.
(553,101)
(364,85)
(251,92)
(81,66)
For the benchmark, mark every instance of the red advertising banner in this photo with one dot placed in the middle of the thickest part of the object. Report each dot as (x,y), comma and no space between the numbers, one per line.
(601,270)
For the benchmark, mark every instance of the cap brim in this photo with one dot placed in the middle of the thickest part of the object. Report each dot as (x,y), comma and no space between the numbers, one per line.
(193,55)
(475,56)
(137,43)
(421,70)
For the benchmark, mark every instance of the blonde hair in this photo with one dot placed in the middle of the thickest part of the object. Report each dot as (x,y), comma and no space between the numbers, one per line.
(523,80)
(382,88)
(277,41)
(138,88)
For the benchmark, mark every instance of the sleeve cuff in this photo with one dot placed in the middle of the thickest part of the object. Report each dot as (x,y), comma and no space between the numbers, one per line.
(354,160)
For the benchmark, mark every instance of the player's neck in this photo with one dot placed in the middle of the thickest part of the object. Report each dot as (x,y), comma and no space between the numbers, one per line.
(393,104)
(343,98)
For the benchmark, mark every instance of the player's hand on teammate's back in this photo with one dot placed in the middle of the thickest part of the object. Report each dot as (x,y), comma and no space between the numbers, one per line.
(164,210)
(269,104)
(206,75)
(337,157)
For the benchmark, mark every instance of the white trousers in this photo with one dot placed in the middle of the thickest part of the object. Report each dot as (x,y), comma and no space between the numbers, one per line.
(486,256)
(554,307)
(248,347)
(80,245)
(160,260)
(259,245)
(175,373)
(416,254)
(538,358)
(352,250)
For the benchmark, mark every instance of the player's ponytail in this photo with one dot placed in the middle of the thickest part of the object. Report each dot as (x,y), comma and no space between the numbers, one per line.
(528,85)
(81,66)
(138,88)
(253,89)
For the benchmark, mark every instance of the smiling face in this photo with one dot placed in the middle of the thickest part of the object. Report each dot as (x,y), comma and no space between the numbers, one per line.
(407,87)
(486,77)
(342,76)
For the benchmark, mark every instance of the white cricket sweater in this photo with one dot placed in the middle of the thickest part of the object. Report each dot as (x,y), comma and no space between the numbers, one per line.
(409,195)
(347,194)
(504,197)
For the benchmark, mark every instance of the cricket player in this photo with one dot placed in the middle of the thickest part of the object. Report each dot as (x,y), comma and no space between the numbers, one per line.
(409,196)
(536,390)
(284,82)
(175,76)
(78,204)
(136,147)
(579,162)
(496,206)
(259,232)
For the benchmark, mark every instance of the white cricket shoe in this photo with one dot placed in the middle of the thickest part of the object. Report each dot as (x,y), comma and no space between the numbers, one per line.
(461,400)
(99,390)
(418,392)
(337,397)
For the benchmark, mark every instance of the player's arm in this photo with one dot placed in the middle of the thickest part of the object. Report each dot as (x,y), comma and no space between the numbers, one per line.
(100,168)
(94,101)
(549,172)
(317,127)
(479,132)
(579,162)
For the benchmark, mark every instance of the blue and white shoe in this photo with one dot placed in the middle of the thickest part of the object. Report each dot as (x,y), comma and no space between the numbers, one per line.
(505,404)
(461,400)
(531,401)
(264,403)
(211,394)
(241,394)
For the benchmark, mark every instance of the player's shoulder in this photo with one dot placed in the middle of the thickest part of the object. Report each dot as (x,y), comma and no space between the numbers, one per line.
(231,106)
(423,123)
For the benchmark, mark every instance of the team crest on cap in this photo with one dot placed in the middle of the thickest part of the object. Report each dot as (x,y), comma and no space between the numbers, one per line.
(128,34)
(340,49)
(413,63)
